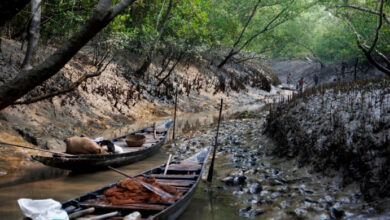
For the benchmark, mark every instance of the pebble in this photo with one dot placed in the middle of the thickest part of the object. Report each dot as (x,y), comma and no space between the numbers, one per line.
(274,195)
(254,188)
(239,180)
(228,180)
(335,214)
(249,212)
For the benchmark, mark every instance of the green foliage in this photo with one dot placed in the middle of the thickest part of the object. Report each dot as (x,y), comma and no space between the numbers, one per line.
(316,29)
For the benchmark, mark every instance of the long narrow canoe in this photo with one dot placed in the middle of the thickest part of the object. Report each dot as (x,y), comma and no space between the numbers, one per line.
(93,162)
(184,176)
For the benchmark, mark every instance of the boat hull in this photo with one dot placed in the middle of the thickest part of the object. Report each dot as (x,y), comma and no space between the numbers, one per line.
(180,176)
(88,163)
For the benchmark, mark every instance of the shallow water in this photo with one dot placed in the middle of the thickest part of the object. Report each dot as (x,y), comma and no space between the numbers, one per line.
(40,182)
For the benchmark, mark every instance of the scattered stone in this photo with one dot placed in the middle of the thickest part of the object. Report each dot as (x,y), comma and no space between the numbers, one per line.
(228,180)
(335,214)
(274,195)
(239,180)
(249,212)
(254,188)
(310,200)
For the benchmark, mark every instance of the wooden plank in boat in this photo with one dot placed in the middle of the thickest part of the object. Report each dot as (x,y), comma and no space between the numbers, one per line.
(185,167)
(138,206)
(176,182)
(173,176)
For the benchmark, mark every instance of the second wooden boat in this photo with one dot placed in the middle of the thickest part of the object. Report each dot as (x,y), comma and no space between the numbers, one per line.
(184,176)
(155,138)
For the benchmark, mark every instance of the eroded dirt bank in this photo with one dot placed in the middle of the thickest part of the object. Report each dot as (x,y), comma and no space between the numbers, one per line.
(118,98)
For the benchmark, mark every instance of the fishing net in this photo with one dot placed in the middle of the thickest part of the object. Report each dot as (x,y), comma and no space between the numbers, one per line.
(129,191)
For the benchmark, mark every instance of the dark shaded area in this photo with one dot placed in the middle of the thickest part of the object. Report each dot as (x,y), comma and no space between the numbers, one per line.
(10,8)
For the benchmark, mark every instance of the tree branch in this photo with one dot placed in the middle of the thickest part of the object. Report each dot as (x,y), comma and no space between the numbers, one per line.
(387,19)
(265,29)
(246,24)
(72,87)
(29,79)
(378,28)
(171,70)
(367,51)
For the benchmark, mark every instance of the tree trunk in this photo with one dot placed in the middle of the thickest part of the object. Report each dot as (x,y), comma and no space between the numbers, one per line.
(171,70)
(10,8)
(33,33)
(227,58)
(142,70)
(29,79)
(355,70)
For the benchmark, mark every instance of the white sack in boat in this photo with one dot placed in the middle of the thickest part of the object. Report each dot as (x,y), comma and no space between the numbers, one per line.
(133,216)
(118,149)
(42,209)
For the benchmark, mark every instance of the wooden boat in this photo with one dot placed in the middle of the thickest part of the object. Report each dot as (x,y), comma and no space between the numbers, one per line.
(155,138)
(184,176)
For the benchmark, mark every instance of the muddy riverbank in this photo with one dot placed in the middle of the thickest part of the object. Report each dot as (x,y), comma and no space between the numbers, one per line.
(260,185)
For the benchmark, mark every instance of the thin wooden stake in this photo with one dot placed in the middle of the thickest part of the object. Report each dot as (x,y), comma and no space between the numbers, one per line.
(167,165)
(37,149)
(211,170)
(174,117)
(154,130)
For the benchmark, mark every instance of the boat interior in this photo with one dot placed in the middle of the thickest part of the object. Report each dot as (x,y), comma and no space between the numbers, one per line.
(181,175)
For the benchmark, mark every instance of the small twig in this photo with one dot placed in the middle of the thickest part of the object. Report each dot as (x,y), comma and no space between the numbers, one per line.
(72,87)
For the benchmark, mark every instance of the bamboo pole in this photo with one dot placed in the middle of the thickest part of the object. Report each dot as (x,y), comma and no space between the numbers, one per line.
(37,149)
(174,117)
(167,165)
(81,213)
(211,170)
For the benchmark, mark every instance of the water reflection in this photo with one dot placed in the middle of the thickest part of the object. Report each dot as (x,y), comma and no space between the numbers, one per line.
(212,204)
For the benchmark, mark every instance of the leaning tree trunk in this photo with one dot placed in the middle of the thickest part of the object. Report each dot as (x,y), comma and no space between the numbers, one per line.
(142,70)
(9,9)
(33,33)
(29,79)
(227,58)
